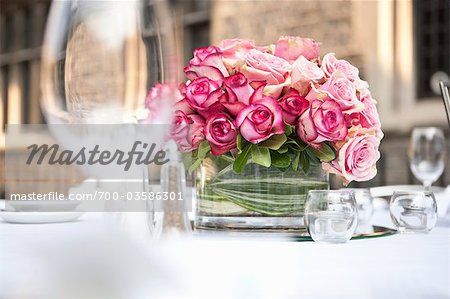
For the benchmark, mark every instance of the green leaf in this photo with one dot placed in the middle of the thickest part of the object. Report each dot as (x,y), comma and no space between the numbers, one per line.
(194,166)
(241,159)
(261,155)
(326,153)
(312,158)
(287,129)
(280,160)
(296,161)
(304,160)
(274,142)
(203,149)
(283,149)
(296,144)
(239,143)
(226,158)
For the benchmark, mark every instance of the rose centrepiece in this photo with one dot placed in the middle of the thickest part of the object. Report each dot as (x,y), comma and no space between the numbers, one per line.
(239,91)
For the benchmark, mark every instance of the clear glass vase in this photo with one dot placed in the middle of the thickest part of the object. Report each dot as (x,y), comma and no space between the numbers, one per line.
(259,198)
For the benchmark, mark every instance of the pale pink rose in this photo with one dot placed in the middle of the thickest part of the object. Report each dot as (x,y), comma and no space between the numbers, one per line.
(368,118)
(330,64)
(238,93)
(160,101)
(291,48)
(221,132)
(323,121)
(356,158)
(260,66)
(303,73)
(293,106)
(202,93)
(261,119)
(206,62)
(339,88)
(362,87)
(187,130)
(184,106)
(234,51)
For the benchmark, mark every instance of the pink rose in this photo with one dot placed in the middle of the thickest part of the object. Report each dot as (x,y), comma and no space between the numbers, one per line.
(184,106)
(202,93)
(238,93)
(160,101)
(303,73)
(330,64)
(221,132)
(339,88)
(206,62)
(273,70)
(234,50)
(187,130)
(356,158)
(292,47)
(262,119)
(368,118)
(293,106)
(323,121)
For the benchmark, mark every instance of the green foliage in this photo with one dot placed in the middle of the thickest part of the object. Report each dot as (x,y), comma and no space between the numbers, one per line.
(280,160)
(241,159)
(305,162)
(325,153)
(274,142)
(281,151)
(288,129)
(261,155)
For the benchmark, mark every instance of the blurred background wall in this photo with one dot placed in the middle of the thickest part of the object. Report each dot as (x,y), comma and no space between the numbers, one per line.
(401,47)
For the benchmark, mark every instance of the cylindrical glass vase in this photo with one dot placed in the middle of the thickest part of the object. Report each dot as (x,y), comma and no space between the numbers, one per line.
(259,198)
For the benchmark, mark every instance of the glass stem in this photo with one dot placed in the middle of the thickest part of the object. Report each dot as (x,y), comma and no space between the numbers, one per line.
(427,185)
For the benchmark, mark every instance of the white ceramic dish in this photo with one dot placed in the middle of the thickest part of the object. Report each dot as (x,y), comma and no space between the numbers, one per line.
(389,190)
(41,206)
(39,217)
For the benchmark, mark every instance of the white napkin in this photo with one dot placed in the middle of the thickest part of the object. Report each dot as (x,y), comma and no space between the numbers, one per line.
(443,201)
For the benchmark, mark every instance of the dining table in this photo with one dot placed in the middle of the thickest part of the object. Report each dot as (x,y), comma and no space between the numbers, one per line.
(98,256)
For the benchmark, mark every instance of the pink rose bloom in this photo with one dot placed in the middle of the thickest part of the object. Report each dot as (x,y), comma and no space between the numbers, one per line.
(238,93)
(221,132)
(273,70)
(303,73)
(368,118)
(356,158)
(234,50)
(160,101)
(202,93)
(323,121)
(293,106)
(184,106)
(330,64)
(187,130)
(343,91)
(206,62)
(262,119)
(362,87)
(291,48)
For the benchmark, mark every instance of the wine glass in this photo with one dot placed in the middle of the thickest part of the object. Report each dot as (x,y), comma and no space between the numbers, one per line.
(427,154)
(99,60)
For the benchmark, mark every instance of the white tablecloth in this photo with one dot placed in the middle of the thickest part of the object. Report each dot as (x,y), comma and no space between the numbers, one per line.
(84,259)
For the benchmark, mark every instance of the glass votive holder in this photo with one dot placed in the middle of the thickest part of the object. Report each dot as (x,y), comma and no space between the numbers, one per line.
(364,204)
(413,211)
(330,215)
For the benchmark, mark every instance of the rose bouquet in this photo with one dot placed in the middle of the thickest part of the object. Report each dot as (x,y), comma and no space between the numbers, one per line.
(278,106)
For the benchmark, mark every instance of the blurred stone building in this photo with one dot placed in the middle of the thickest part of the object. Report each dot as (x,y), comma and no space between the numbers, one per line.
(399,47)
